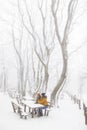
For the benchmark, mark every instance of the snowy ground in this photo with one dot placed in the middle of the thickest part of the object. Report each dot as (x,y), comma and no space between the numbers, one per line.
(66,117)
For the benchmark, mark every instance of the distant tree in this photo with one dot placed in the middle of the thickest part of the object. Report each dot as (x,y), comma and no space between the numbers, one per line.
(3,80)
(20,69)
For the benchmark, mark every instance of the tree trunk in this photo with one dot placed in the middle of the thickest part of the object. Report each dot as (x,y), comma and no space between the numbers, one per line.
(62,77)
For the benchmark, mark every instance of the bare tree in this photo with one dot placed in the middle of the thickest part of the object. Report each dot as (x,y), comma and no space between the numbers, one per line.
(55,4)
(48,50)
(3,81)
(42,55)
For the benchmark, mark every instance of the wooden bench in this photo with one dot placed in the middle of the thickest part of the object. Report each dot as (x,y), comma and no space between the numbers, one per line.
(85,112)
(44,111)
(24,115)
(17,108)
(85,115)
(47,110)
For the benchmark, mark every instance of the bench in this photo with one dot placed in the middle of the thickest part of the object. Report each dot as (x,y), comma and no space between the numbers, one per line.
(17,108)
(47,110)
(24,115)
(85,112)
(44,111)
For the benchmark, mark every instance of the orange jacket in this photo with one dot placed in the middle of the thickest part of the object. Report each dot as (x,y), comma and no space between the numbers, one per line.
(43,101)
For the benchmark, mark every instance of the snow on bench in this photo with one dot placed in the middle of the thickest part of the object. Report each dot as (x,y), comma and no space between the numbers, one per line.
(85,112)
(17,108)
(24,115)
(47,110)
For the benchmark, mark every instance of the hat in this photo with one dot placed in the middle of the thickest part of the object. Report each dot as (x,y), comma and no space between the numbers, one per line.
(43,94)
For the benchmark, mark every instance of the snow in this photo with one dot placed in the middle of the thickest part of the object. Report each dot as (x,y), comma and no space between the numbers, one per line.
(67,117)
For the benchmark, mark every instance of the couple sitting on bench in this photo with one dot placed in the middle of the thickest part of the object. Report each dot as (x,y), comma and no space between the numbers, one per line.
(42,99)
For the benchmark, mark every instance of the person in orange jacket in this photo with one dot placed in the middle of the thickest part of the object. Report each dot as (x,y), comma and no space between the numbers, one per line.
(43,101)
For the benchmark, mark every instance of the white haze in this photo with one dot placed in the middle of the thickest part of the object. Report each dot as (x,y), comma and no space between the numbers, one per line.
(77,68)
